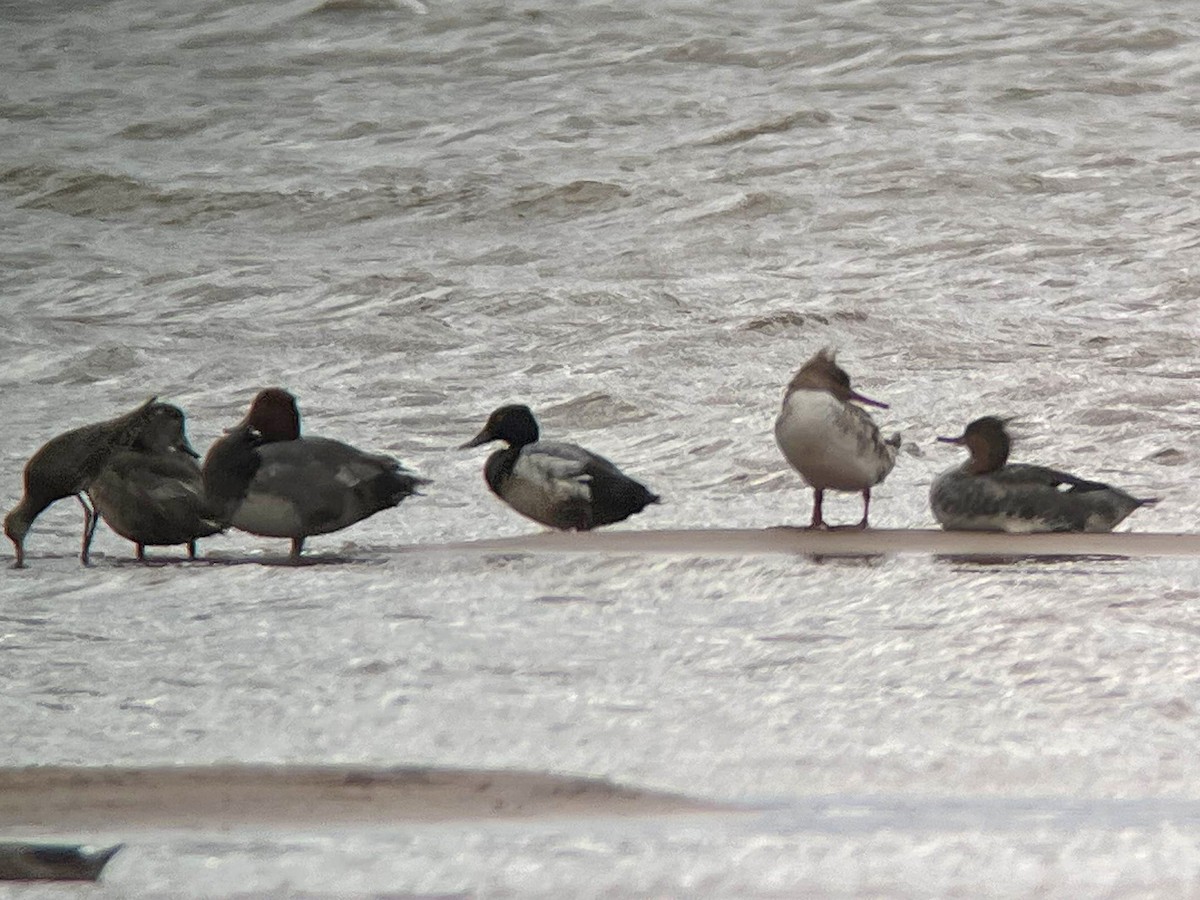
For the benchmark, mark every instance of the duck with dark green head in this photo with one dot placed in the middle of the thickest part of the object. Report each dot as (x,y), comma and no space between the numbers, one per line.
(560,485)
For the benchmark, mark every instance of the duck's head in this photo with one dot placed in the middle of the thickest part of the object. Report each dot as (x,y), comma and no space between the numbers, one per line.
(274,415)
(822,373)
(16,526)
(129,427)
(987,441)
(164,431)
(514,424)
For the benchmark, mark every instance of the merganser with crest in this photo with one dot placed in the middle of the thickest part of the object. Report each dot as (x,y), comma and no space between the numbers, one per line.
(832,443)
(312,485)
(987,493)
(559,485)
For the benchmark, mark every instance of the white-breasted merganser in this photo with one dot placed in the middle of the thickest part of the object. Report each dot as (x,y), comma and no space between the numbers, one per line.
(559,485)
(312,485)
(832,443)
(987,493)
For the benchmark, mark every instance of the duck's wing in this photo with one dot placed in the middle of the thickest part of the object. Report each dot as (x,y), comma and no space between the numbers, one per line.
(328,463)
(164,479)
(612,494)
(870,441)
(315,485)
(562,471)
(1061,501)
(1042,477)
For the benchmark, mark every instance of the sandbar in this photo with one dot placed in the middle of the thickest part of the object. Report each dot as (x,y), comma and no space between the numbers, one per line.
(223,796)
(799,541)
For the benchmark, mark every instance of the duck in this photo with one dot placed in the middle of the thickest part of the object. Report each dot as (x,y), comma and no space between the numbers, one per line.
(559,485)
(155,494)
(987,493)
(312,485)
(66,464)
(26,861)
(832,443)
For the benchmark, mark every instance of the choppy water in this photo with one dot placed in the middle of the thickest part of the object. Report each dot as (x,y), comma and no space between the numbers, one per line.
(639,218)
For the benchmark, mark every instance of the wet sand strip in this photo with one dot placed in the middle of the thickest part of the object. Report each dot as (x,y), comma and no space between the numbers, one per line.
(872,542)
(68,798)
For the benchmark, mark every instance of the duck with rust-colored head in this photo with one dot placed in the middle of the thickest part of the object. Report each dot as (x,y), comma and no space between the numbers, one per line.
(559,485)
(832,443)
(988,493)
(312,485)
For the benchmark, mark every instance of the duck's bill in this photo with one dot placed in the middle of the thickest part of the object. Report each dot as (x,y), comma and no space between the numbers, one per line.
(950,440)
(184,447)
(482,438)
(856,396)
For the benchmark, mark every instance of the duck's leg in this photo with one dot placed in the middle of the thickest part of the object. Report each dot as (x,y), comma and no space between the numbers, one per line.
(818,520)
(861,524)
(141,552)
(866,509)
(90,520)
(191,549)
(297,547)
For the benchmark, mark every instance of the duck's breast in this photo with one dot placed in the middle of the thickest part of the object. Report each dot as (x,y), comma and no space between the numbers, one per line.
(832,444)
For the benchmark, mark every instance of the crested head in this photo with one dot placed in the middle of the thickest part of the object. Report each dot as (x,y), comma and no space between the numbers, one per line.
(514,424)
(822,373)
(987,440)
(274,414)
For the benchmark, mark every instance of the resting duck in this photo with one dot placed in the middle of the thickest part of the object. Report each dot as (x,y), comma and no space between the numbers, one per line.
(560,485)
(157,495)
(987,493)
(312,485)
(65,466)
(832,443)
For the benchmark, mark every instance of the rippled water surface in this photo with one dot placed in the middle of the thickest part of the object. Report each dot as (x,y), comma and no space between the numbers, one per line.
(640,219)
